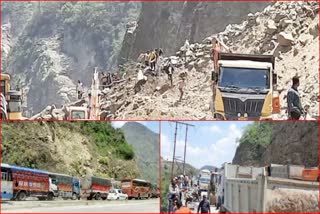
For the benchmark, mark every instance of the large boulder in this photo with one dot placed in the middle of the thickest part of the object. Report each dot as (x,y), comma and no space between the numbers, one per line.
(285,39)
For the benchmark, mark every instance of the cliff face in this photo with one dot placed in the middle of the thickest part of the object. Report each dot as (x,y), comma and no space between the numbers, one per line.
(291,143)
(167,25)
(51,45)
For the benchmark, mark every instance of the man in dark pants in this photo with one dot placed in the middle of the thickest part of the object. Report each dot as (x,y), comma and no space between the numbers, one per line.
(295,109)
(204,205)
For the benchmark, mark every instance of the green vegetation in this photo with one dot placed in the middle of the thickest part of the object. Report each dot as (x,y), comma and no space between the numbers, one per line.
(69,147)
(146,147)
(258,133)
(107,138)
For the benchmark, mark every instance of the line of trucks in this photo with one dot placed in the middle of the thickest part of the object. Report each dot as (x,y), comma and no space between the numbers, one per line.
(235,188)
(19,183)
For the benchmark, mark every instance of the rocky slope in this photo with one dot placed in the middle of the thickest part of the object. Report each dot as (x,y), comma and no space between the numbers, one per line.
(146,146)
(74,148)
(290,143)
(48,46)
(169,24)
(286,29)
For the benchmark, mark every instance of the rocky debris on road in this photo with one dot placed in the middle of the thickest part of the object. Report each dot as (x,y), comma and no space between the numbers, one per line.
(288,30)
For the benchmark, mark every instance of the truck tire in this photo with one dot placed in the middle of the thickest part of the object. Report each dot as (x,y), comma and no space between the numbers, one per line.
(74,196)
(97,196)
(104,198)
(22,196)
(50,196)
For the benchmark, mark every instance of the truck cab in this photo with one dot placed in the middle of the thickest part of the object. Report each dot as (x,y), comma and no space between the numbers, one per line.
(246,87)
(11,109)
(77,113)
(53,188)
(15,105)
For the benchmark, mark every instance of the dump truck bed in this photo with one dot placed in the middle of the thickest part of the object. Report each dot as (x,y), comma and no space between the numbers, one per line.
(266,194)
(251,57)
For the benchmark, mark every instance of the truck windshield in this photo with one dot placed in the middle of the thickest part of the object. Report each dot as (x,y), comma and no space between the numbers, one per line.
(14,106)
(205,180)
(78,115)
(244,78)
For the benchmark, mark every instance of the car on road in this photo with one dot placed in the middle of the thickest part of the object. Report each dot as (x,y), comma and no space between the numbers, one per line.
(117,194)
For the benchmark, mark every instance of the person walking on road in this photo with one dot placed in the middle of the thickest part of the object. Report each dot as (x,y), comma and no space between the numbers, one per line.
(204,205)
(183,209)
(295,109)
(172,194)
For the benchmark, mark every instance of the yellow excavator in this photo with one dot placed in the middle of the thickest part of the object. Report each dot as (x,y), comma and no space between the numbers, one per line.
(11,100)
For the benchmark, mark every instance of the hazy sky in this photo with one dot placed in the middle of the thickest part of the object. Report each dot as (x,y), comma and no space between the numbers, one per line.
(209,143)
(153,126)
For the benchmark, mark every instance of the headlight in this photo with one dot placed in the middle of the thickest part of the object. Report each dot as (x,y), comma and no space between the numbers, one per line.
(245,115)
(239,115)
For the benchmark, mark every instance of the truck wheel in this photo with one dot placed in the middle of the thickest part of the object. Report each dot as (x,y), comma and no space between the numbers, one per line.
(104,198)
(74,196)
(89,198)
(22,196)
(50,196)
(97,196)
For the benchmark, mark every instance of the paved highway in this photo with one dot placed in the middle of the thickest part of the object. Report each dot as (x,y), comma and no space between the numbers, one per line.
(83,206)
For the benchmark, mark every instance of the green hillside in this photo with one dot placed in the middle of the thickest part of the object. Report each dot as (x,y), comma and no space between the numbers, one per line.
(146,147)
(75,148)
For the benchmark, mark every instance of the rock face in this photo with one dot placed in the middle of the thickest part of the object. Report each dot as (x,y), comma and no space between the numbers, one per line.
(292,143)
(58,44)
(289,30)
(257,37)
(169,24)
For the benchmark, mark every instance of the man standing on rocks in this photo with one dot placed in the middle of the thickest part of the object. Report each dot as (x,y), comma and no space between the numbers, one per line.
(182,85)
(79,89)
(295,109)
(152,60)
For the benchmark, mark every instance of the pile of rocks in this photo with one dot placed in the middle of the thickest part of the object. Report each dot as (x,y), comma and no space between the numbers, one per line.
(288,30)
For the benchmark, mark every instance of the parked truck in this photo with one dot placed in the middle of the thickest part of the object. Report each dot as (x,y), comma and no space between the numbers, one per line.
(21,182)
(68,186)
(244,87)
(297,172)
(259,192)
(95,188)
(203,182)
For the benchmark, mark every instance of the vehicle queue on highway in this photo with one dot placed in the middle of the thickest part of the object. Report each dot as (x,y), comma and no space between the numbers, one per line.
(19,183)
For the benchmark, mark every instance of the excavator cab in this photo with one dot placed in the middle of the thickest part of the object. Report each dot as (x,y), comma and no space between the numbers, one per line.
(15,105)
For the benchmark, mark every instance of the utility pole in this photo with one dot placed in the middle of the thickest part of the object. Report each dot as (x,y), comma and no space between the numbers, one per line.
(185,148)
(174,148)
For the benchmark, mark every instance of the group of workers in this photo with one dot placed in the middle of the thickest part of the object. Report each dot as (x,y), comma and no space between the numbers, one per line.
(153,60)
(177,193)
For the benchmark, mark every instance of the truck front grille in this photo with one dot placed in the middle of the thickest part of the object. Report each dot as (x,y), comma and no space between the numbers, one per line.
(234,106)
